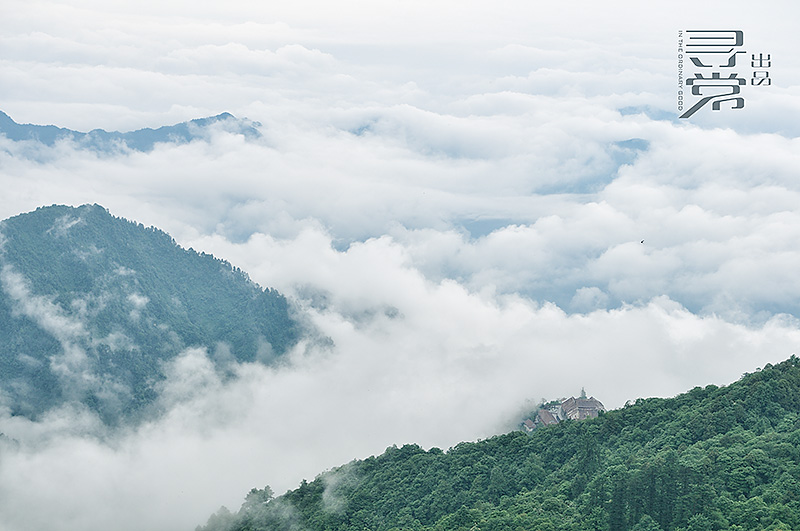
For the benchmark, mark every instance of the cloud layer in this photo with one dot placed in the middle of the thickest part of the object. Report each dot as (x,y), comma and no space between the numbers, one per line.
(480,207)
(444,366)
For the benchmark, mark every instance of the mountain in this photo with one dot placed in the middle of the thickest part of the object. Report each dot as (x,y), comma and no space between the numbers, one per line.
(93,306)
(714,458)
(139,140)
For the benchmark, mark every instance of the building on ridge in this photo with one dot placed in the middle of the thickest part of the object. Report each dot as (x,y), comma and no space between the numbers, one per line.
(545,417)
(581,408)
(571,408)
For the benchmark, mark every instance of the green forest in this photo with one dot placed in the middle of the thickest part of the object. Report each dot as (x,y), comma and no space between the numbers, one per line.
(123,299)
(714,458)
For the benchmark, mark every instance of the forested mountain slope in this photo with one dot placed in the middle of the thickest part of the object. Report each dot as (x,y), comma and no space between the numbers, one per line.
(713,458)
(91,306)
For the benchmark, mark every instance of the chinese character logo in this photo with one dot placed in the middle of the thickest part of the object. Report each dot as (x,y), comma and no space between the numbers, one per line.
(714,60)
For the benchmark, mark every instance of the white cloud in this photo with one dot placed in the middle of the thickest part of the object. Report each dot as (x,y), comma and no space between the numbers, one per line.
(72,365)
(449,365)
(451,193)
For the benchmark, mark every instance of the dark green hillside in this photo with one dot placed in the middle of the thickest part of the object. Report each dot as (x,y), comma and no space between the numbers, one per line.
(713,458)
(91,305)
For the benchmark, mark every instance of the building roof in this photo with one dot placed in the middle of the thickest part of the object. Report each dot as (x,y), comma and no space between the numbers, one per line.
(547,418)
(582,408)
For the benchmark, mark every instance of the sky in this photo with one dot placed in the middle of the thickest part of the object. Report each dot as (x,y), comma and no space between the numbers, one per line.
(482,204)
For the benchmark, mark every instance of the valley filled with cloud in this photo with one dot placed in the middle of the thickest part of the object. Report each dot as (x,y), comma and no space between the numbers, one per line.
(479,205)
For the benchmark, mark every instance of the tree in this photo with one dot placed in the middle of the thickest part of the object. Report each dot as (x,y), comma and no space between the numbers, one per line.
(256,499)
(646,523)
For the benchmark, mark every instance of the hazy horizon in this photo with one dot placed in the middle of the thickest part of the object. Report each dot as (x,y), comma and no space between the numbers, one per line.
(482,206)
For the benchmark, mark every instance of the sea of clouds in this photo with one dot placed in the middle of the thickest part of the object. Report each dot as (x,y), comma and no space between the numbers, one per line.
(480,205)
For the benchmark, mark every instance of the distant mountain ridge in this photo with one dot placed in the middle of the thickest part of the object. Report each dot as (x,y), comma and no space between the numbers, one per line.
(93,307)
(139,140)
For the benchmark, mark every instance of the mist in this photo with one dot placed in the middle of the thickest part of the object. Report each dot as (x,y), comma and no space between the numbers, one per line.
(450,366)
(478,207)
